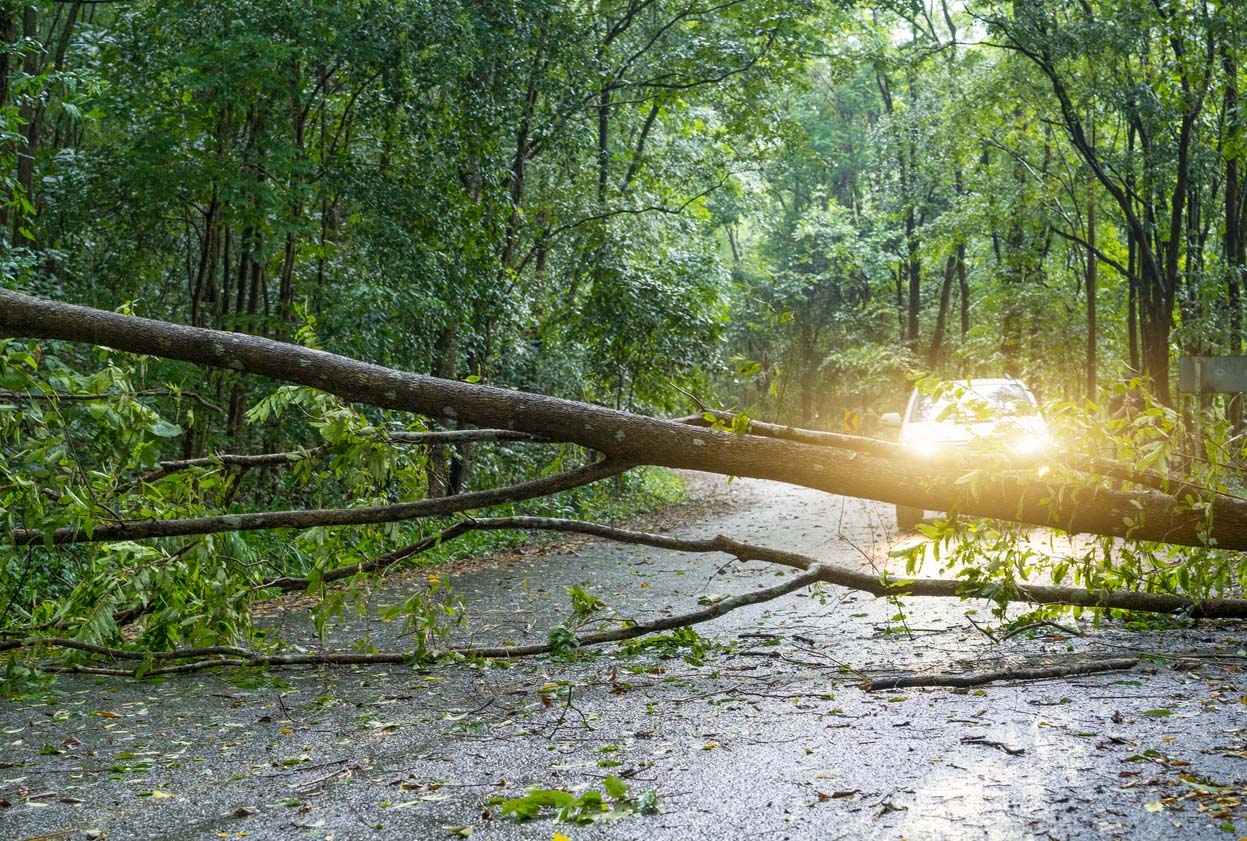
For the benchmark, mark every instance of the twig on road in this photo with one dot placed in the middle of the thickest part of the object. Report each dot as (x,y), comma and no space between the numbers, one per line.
(1065,629)
(991,743)
(872,684)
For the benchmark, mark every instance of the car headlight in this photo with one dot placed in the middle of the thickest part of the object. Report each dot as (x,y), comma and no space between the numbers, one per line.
(925,441)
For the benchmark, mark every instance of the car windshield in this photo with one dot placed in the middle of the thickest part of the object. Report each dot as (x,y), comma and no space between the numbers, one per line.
(1001,400)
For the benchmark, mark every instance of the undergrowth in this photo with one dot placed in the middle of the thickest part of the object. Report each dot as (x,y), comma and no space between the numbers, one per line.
(85,450)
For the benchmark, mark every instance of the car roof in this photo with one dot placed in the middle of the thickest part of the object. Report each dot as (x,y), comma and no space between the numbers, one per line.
(989,381)
(990,384)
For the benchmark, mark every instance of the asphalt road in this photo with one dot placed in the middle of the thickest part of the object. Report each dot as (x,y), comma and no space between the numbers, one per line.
(760,730)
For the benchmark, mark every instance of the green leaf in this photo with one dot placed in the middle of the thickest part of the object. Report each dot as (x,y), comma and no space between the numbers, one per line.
(615,787)
(647,803)
(164,429)
(1206,788)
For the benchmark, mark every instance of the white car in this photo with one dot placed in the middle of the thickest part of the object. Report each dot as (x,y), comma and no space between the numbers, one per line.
(990,415)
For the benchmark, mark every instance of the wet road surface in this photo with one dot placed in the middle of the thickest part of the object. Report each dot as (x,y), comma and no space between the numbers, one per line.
(764,732)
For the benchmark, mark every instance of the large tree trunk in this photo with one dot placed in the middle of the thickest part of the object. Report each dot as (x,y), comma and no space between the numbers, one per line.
(631,439)
(1235,258)
(1091,291)
(30,123)
(941,317)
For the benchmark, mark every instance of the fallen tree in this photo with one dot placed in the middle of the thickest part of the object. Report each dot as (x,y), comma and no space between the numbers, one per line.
(1181,513)
(629,439)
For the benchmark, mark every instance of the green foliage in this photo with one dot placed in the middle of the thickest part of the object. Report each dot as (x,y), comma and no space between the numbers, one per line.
(588,807)
(562,638)
(993,557)
(68,443)
(428,616)
(584,605)
(80,450)
(684,642)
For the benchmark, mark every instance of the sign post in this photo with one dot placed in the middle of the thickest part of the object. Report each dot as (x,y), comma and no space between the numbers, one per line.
(1200,375)
(1212,374)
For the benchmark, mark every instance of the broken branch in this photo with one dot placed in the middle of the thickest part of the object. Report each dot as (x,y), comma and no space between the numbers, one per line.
(873,684)
(856,443)
(872,583)
(17,396)
(215,656)
(246,462)
(303,519)
(461,436)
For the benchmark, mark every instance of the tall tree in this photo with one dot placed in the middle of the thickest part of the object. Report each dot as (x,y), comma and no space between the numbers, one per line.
(1160,69)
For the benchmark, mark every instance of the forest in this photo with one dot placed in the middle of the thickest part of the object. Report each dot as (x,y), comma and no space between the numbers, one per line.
(766,213)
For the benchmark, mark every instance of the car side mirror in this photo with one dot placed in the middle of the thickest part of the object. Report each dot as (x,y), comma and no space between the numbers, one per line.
(892,420)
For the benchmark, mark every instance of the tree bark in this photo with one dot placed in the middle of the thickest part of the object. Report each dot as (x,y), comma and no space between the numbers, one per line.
(29,120)
(631,439)
(322,517)
(1235,259)
(963,290)
(1047,672)
(1092,267)
(937,335)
